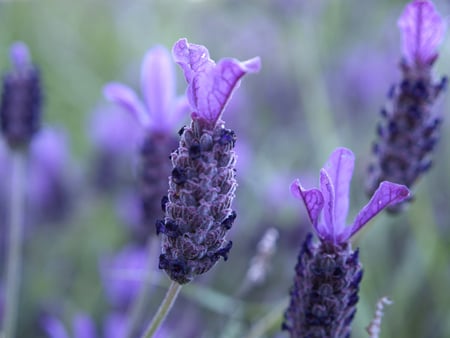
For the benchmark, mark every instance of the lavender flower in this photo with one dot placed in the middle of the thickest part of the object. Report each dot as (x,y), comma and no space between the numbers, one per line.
(410,129)
(202,183)
(159,115)
(328,273)
(49,179)
(20,109)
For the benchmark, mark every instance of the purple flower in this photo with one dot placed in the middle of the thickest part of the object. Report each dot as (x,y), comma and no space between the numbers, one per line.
(161,110)
(327,207)
(203,179)
(20,108)
(122,275)
(210,85)
(422,31)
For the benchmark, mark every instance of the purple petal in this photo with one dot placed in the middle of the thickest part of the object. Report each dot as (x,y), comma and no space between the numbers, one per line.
(126,98)
(312,199)
(209,85)
(422,31)
(54,328)
(19,54)
(84,327)
(387,194)
(340,170)
(181,109)
(158,85)
(115,325)
(327,189)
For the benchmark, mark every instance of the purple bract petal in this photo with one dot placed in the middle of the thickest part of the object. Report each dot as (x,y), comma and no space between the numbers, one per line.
(84,327)
(387,194)
(210,86)
(329,220)
(158,85)
(422,31)
(19,54)
(313,200)
(126,98)
(333,197)
(340,170)
(54,328)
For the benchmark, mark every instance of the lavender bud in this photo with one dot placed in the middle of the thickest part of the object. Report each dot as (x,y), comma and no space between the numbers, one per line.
(197,241)
(325,291)
(20,109)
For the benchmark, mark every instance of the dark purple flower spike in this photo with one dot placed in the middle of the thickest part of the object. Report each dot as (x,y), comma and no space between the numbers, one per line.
(20,109)
(160,115)
(410,129)
(202,183)
(328,273)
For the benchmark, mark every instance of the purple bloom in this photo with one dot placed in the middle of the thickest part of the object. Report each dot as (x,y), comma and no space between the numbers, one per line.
(210,85)
(202,183)
(49,177)
(331,201)
(20,109)
(161,110)
(422,31)
(122,275)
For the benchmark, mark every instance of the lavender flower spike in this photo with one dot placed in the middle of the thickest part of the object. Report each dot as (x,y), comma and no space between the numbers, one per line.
(202,183)
(20,109)
(410,128)
(422,31)
(333,197)
(328,273)
(160,115)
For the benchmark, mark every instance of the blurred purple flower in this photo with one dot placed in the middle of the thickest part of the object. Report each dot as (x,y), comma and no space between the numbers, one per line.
(327,207)
(115,135)
(161,110)
(84,327)
(49,176)
(21,100)
(123,275)
(422,31)
(210,85)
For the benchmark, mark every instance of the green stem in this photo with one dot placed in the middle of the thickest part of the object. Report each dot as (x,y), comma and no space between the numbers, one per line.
(163,310)
(14,258)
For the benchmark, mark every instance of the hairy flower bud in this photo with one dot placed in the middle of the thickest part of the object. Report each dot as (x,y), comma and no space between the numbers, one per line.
(198,210)
(325,291)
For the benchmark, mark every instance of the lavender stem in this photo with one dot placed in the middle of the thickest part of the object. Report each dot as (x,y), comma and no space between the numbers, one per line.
(163,310)
(14,260)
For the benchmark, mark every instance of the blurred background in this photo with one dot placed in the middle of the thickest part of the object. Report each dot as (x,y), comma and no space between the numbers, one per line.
(326,69)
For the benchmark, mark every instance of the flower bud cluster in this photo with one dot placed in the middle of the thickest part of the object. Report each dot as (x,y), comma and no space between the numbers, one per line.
(198,207)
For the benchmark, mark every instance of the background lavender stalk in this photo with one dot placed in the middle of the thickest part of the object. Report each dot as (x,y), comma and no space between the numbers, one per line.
(328,273)
(20,119)
(202,183)
(410,129)
(159,115)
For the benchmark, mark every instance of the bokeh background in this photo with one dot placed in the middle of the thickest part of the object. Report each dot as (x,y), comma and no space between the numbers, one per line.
(327,66)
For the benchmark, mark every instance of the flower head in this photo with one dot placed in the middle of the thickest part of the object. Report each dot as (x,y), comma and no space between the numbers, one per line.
(331,201)
(422,31)
(161,109)
(21,100)
(210,85)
